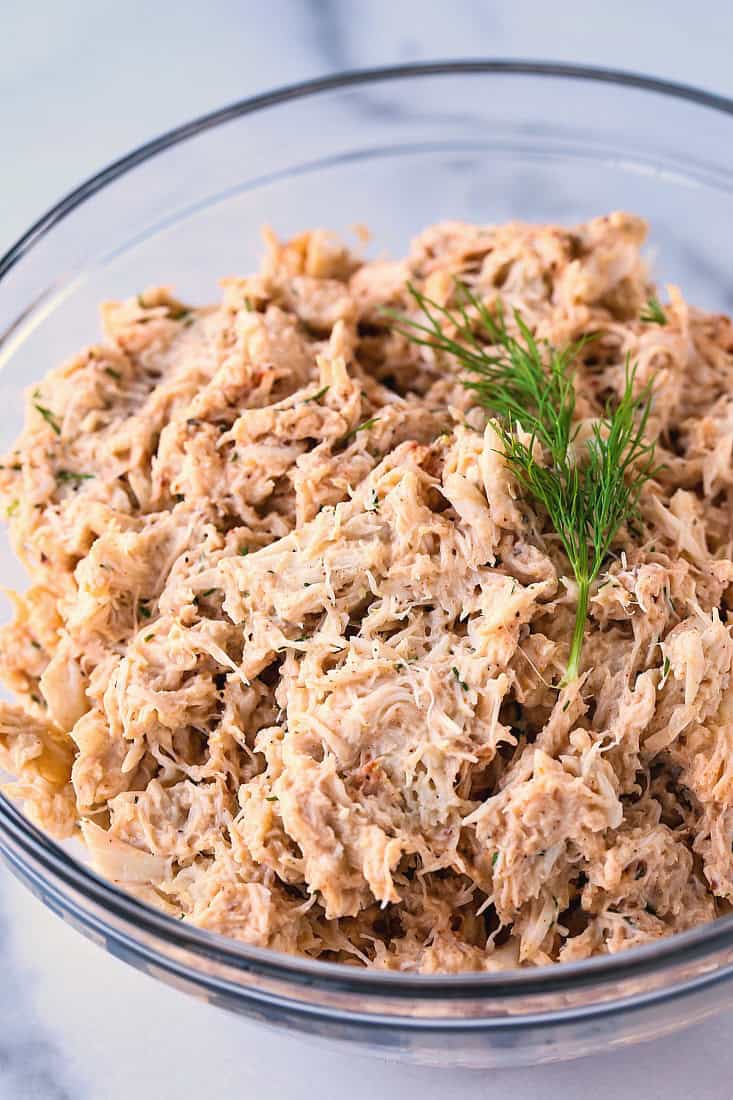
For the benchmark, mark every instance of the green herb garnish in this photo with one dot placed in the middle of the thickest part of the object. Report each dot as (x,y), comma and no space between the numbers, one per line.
(69,475)
(48,416)
(317,396)
(113,373)
(12,508)
(652,313)
(461,683)
(361,427)
(143,610)
(588,490)
(665,672)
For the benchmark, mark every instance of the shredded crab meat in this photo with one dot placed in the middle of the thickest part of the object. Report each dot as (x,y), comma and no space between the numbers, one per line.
(289,657)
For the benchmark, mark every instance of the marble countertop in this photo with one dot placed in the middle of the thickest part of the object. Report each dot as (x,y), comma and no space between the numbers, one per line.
(81,83)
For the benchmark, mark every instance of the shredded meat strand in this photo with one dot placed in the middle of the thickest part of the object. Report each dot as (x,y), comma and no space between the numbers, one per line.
(288,654)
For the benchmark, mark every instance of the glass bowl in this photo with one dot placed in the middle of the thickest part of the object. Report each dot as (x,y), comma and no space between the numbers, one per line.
(396,149)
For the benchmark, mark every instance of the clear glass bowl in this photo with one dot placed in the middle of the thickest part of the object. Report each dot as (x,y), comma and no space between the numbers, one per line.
(396,149)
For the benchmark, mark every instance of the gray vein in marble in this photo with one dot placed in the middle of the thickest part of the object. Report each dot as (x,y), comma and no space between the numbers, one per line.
(332,25)
(327,31)
(349,34)
(344,39)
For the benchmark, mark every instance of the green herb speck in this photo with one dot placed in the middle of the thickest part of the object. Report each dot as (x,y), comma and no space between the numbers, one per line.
(363,427)
(317,396)
(652,313)
(48,416)
(665,672)
(70,475)
(459,681)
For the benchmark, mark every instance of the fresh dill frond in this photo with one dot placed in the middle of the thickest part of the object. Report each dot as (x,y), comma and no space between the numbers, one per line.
(588,489)
(652,313)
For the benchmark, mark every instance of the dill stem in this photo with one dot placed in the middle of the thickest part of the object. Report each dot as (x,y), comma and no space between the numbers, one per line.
(576,645)
(530,385)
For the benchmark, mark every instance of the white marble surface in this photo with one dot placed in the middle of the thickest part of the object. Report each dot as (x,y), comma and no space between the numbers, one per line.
(80,83)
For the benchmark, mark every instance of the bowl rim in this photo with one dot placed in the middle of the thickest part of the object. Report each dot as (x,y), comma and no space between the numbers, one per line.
(341,80)
(41,852)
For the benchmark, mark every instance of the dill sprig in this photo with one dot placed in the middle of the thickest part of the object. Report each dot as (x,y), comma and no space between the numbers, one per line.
(652,313)
(587,488)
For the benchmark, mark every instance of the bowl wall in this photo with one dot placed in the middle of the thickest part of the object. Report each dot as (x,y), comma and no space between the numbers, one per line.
(397,151)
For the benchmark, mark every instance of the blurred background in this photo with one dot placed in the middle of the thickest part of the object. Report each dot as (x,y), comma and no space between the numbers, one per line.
(81,83)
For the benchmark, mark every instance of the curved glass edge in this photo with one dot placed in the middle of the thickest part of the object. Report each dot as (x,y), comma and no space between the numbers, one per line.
(643,1015)
(688,947)
(25,845)
(598,74)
